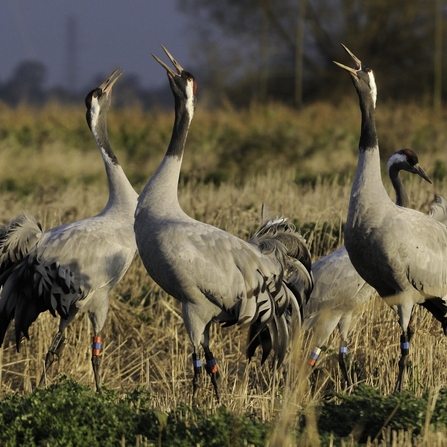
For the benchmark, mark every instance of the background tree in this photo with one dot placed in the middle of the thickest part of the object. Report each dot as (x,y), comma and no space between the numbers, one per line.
(253,46)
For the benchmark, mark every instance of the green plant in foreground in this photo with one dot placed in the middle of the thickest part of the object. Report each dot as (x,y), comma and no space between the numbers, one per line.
(365,413)
(70,414)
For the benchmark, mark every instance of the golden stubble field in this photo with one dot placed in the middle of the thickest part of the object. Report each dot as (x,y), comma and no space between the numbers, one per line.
(144,342)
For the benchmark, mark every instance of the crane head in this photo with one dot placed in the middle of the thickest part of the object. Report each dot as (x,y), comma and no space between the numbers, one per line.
(362,75)
(183,83)
(407,160)
(99,99)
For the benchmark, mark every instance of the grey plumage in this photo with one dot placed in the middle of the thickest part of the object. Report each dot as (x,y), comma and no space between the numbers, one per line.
(74,266)
(17,237)
(438,209)
(401,252)
(215,275)
(278,237)
(339,290)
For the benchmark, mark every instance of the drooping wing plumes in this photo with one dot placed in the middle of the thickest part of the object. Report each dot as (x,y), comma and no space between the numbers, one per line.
(278,238)
(17,238)
(30,287)
(438,210)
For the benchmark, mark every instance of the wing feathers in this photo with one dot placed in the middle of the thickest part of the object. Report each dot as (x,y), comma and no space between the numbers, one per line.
(30,288)
(287,287)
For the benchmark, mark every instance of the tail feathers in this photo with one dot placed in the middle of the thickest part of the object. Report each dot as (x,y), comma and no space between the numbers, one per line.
(30,288)
(438,210)
(300,280)
(438,308)
(272,336)
(257,338)
(282,230)
(278,238)
(17,238)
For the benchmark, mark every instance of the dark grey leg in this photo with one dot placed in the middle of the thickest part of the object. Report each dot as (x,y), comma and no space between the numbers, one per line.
(96,352)
(404,350)
(55,349)
(342,362)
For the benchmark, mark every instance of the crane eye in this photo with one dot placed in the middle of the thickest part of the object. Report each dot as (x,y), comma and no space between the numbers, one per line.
(95,95)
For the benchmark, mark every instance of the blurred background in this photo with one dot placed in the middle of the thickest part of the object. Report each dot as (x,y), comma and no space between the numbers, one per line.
(240,50)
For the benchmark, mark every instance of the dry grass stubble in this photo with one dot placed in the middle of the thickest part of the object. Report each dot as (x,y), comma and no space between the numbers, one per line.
(145,343)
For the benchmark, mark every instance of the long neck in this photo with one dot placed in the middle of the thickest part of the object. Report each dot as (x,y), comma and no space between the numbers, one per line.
(160,192)
(399,189)
(121,193)
(368,192)
(368,179)
(182,121)
(368,135)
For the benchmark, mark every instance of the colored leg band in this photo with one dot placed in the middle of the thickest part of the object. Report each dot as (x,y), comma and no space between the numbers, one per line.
(405,348)
(314,356)
(96,346)
(211,366)
(343,350)
(197,363)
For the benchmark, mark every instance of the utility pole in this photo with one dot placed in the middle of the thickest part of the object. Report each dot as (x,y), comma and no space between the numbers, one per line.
(265,52)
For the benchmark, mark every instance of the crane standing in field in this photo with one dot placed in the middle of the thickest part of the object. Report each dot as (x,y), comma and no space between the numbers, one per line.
(74,266)
(215,275)
(401,252)
(339,290)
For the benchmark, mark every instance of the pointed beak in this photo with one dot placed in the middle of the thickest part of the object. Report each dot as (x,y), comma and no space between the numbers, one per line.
(418,170)
(357,61)
(170,71)
(107,85)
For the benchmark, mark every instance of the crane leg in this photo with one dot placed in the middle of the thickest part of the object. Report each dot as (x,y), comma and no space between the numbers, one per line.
(342,362)
(197,363)
(404,351)
(212,369)
(55,349)
(96,351)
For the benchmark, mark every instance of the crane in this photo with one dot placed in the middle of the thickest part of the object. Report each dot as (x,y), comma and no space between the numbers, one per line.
(74,266)
(401,252)
(339,290)
(215,275)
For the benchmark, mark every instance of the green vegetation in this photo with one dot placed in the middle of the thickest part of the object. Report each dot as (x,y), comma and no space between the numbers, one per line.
(224,146)
(70,414)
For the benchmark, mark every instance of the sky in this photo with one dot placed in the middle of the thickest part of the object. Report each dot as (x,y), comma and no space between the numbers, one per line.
(106,34)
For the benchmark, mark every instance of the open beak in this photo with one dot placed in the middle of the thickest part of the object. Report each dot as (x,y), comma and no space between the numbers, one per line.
(357,61)
(418,170)
(107,85)
(170,71)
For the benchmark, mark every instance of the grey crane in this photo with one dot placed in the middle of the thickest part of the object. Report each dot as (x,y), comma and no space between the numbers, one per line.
(215,275)
(438,209)
(74,266)
(401,252)
(339,290)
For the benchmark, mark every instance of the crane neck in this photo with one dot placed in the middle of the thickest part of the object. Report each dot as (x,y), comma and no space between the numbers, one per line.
(182,121)
(368,134)
(160,195)
(367,187)
(401,194)
(121,193)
